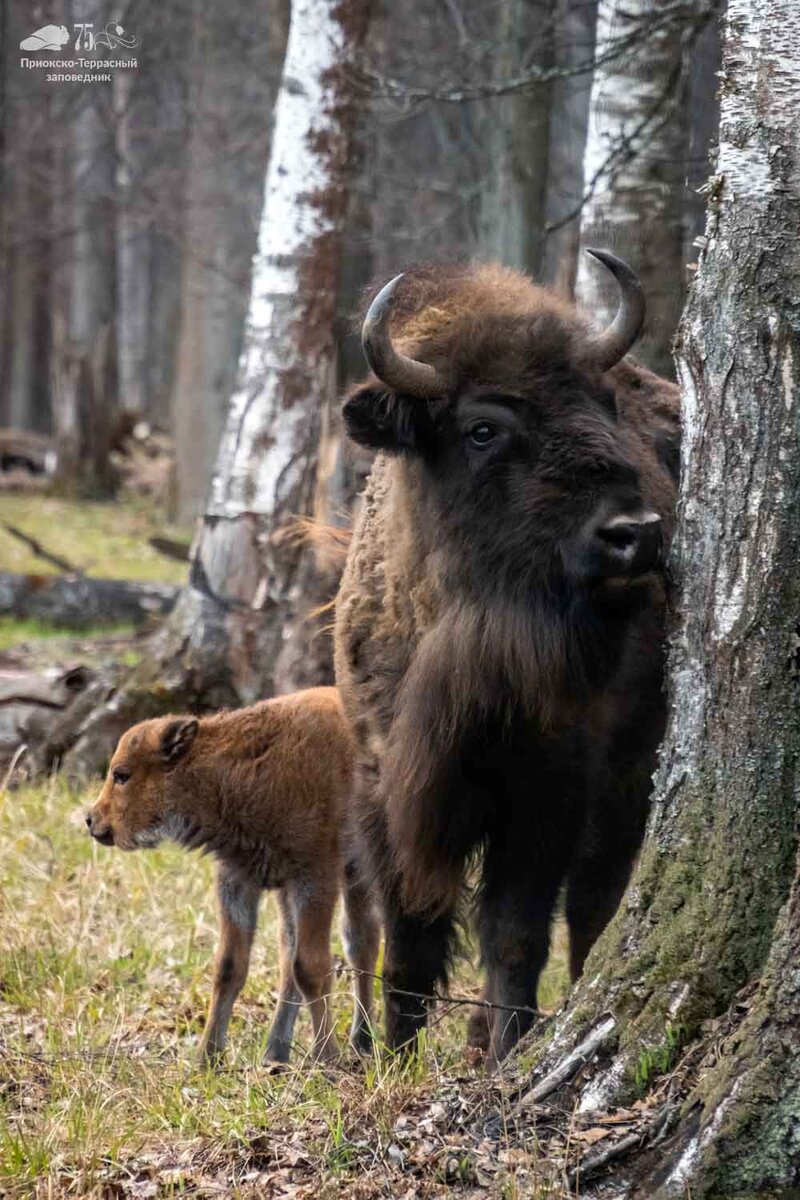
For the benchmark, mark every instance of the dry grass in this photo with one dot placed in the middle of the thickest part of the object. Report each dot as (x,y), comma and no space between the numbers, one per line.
(104,977)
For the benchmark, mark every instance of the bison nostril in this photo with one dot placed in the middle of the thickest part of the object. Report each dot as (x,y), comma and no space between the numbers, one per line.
(631,543)
(620,537)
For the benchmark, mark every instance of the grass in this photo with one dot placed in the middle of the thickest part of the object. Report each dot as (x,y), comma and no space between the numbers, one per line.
(14,630)
(104,978)
(107,540)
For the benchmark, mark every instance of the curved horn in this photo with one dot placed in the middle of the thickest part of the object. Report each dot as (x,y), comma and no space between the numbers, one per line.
(615,342)
(400,373)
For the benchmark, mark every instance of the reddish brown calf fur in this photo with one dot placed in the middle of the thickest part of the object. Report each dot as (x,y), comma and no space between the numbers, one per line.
(266,790)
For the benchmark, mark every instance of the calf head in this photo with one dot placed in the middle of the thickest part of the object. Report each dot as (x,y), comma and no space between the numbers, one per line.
(139,803)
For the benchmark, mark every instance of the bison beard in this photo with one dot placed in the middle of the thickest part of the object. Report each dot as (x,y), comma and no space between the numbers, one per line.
(474,676)
(500,625)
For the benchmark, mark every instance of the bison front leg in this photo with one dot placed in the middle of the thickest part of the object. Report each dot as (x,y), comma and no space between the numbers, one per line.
(517,903)
(600,873)
(415,963)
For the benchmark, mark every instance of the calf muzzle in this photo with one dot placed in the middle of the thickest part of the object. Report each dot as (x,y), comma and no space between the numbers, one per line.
(100,832)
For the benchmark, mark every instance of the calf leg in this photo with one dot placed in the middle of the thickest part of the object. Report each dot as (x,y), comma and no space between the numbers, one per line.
(238,915)
(362,934)
(313,965)
(289,998)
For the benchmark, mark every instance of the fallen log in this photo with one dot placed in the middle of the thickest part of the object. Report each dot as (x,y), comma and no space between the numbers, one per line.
(31,702)
(80,602)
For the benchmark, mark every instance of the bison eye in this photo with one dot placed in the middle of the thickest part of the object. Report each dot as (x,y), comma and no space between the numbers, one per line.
(120,775)
(481,434)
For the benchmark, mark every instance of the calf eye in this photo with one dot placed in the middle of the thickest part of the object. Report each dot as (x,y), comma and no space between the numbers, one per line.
(481,434)
(120,775)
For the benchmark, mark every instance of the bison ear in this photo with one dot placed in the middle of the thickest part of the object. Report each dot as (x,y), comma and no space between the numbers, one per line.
(177,738)
(385,420)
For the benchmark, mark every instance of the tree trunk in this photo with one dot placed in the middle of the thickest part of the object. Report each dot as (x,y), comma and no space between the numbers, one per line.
(134,118)
(27,135)
(222,645)
(575,23)
(703,108)
(237,52)
(84,326)
(713,903)
(515,137)
(634,165)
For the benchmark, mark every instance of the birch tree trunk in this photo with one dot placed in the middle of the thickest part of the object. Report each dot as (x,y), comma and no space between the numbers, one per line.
(634,165)
(223,642)
(715,900)
(237,52)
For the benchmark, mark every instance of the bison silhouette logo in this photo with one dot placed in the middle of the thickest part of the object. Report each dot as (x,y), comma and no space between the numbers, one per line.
(49,37)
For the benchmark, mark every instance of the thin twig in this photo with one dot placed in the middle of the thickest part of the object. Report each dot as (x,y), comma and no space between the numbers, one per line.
(598,1158)
(569,1066)
(40,551)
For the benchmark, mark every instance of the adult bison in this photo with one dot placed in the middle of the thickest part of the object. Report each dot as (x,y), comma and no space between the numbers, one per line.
(500,623)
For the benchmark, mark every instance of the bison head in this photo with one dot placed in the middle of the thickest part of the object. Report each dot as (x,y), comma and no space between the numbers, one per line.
(525,463)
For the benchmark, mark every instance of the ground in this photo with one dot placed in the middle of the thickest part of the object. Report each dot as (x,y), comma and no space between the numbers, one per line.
(105,974)
(104,977)
(105,966)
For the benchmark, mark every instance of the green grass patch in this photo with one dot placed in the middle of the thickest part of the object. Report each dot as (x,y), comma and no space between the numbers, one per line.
(108,540)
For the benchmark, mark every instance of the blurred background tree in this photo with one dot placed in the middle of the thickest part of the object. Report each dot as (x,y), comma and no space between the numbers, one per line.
(516,130)
(130,209)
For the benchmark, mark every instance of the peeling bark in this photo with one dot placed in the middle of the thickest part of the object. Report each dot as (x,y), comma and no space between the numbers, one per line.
(712,903)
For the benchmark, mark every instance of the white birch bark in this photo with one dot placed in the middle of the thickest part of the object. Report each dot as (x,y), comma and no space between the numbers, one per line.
(243,593)
(236,61)
(634,168)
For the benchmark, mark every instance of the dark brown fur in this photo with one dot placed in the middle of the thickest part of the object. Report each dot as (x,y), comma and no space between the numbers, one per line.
(506,703)
(267,790)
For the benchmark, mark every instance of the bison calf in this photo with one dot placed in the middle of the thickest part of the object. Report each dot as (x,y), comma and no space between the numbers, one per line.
(265,790)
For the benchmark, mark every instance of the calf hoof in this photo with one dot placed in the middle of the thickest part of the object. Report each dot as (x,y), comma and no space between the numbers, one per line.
(327,1051)
(210,1058)
(277,1053)
(361,1038)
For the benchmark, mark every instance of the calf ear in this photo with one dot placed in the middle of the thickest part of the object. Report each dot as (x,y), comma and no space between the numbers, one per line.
(385,420)
(177,738)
